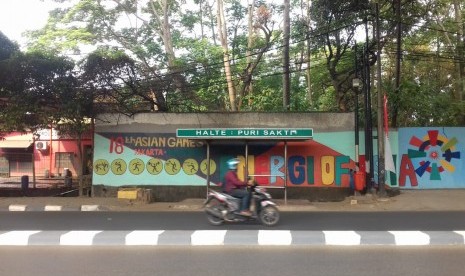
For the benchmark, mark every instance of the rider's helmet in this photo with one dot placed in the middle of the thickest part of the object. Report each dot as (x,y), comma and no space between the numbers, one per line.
(232,163)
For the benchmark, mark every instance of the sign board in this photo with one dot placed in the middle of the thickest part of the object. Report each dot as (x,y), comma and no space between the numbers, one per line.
(44,134)
(246,133)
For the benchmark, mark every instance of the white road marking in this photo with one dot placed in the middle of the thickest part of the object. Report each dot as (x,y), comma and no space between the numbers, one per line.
(78,238)
(89,207)
(410,238)
(274,237)
(208,237)
(342,238)
(16,237)
(53,208)
(462,233)
(143,237)
(17,207)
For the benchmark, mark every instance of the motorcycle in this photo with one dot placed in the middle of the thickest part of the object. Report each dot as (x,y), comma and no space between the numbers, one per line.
(221,207)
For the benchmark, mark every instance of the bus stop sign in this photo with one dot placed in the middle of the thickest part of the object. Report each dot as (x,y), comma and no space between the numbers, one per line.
(246,133)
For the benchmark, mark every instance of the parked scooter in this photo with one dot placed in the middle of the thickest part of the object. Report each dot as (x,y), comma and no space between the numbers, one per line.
(221,207)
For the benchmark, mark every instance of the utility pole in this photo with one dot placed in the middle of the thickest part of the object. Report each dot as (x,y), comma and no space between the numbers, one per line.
(368,119)
(380,128)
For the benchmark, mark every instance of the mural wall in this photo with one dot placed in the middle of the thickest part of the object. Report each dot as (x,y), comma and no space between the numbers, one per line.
(163,159)
(431,158)
(146,151)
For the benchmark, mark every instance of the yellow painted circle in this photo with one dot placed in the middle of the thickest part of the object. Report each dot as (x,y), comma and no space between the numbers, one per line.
(190,166)
(154,166)
(101,167)
(203,166)
(172,166)
(136,166)
(118,166)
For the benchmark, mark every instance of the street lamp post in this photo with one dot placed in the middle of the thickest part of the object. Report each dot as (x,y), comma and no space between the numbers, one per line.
(356,85)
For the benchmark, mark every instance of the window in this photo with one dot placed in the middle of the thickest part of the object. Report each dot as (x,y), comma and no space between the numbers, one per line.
(64,159)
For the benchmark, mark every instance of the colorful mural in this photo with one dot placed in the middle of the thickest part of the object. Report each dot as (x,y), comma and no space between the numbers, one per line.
(163,159)
(425,158)
(431,158)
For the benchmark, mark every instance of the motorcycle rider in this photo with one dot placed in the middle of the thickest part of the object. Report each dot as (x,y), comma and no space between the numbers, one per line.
(237,188)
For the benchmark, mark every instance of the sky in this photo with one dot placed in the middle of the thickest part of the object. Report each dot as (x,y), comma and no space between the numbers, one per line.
(18,16)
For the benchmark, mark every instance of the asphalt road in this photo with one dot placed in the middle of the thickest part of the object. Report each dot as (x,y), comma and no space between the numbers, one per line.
(232,261)
(308,221)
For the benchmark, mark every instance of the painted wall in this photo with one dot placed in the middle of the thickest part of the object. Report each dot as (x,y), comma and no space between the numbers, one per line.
(45,160)
(146,151)
(162,159)
(431,158)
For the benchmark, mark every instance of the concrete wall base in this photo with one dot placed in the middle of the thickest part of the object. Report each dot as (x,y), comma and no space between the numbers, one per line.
(179,193)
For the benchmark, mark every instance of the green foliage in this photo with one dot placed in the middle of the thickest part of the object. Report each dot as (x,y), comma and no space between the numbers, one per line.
(7,47)
(139,73)
(30,83)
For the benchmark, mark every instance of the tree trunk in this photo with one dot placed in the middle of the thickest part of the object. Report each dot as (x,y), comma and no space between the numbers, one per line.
(80,165)
(165,33)
(286,73)
(165,30)
(460,66)
(212,23)
(226,61)
(249,87)
(202,35)
(308,70)
(398,59)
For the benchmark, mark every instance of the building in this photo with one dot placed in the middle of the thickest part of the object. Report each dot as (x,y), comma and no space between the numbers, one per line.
(45,157)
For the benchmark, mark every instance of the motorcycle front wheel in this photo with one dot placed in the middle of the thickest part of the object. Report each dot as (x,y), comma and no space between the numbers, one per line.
(269,216)
(217,207)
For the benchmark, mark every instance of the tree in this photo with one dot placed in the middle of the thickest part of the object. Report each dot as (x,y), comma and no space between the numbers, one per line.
(28,82)
(430,58)
(40,90)
(449,16)
(173,49)
(74,116)
(257,46)
(7,47)
(337,22)
(115,78)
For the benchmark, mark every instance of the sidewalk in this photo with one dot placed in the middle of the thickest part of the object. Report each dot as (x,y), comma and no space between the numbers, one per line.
(408,200)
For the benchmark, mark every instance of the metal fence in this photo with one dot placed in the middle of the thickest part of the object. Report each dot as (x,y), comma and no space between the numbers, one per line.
(17,167)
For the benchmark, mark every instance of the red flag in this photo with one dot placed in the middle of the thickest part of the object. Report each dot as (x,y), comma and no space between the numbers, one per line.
(388,160)
(386,121)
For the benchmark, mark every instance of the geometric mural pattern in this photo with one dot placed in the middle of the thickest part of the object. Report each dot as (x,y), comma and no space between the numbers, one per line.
(436,152)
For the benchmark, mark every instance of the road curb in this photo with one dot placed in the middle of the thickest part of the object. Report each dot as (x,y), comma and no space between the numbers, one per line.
(17,207)
(52,208)
(232,238)
(87,208)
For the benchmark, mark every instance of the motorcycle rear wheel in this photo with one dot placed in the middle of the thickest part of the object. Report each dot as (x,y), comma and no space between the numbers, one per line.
(269,216)
(216,205)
